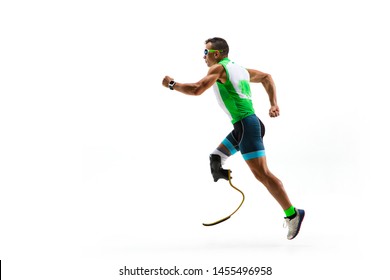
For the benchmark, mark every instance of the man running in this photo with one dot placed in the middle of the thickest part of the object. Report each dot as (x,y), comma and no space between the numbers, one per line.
(231,84)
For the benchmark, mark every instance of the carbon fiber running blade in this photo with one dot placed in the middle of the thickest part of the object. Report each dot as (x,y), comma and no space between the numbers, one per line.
(243,198)
(217,222)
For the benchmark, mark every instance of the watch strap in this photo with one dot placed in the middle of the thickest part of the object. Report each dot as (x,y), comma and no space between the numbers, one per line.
(171,84)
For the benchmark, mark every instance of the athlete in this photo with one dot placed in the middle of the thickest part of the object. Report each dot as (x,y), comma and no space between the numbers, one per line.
(231,84)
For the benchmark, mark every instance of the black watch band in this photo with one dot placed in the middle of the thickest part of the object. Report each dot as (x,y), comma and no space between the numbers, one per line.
(171,84)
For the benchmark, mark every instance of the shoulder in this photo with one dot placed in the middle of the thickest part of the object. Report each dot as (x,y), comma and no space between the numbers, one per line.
(216,68)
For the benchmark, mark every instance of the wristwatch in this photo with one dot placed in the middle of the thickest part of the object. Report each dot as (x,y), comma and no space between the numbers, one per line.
(171,84)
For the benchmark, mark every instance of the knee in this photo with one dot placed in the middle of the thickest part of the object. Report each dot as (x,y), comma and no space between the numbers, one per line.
(261,174)
(266,177)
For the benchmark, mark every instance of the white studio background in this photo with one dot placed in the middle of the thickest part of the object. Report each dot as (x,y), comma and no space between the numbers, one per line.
(102,167)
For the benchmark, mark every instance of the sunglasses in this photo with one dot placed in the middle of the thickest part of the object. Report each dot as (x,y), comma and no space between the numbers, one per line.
(206,51)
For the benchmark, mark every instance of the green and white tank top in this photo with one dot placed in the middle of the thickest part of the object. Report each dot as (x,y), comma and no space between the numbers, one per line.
(234,96)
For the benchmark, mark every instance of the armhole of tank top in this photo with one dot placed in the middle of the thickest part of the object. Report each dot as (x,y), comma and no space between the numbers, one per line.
(227,75)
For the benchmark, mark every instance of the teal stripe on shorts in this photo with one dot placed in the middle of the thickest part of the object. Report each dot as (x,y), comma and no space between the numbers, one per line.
(229,146)
(252,155)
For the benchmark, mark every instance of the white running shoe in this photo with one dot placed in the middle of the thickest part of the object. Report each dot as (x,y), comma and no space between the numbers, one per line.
(294,224)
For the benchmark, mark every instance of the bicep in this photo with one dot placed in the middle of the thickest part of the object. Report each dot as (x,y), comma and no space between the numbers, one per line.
(208,80)
(211,78)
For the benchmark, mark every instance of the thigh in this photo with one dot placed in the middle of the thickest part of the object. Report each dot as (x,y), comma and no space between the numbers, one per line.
(230,144)
(251,142)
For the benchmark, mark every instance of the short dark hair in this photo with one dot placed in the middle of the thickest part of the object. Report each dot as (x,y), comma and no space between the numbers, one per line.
(219,44)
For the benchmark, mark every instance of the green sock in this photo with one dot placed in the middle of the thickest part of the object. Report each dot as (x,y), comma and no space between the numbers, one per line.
(290,211)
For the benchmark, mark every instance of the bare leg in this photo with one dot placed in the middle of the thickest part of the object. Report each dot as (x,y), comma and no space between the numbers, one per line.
(260,169)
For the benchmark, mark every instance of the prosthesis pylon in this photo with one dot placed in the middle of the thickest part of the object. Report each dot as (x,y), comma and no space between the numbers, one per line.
(227,217)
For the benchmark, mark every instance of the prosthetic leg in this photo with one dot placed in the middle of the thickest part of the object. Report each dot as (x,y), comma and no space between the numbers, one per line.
(219,173)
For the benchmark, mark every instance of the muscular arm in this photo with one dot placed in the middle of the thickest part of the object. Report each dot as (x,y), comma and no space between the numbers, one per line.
(257,76)
(215,72)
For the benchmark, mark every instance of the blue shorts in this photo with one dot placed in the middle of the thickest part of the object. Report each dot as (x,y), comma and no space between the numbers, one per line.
(247,137)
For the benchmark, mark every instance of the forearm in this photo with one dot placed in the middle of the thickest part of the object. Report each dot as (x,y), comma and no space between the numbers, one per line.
(193,89)
(269,87)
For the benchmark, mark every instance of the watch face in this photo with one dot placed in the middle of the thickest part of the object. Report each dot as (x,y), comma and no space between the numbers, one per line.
(171,82)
